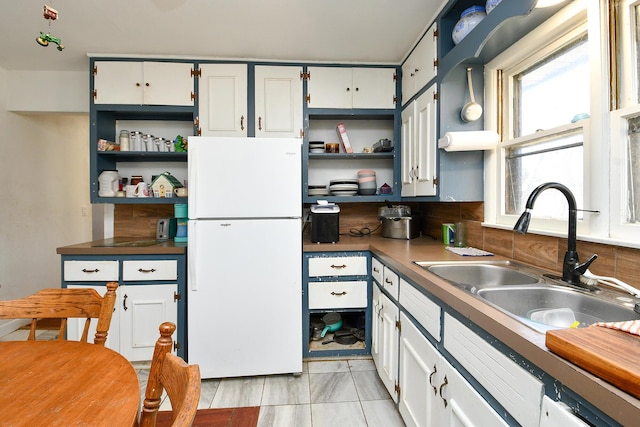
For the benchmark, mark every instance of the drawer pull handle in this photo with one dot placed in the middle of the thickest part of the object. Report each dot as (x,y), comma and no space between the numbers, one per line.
(124,303)
(339,294)
(375,270)
(142,270)
(441,387)
(95,270)
(338,266)
(388,281)
(435,389)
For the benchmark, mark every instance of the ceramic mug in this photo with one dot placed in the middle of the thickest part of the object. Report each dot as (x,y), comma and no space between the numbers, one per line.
(181,192)
(130,190)
(141,190)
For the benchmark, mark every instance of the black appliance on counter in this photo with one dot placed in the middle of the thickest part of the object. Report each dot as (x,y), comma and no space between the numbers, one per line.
(325,223)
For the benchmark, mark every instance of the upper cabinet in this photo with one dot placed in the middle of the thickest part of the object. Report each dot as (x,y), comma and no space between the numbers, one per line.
(421,66)
(222,100)
(278,101)
(143,83)
(347,88)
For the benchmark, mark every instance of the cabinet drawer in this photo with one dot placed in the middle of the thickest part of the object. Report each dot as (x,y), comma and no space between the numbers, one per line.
(150,270)
(338,266)
(425,311)
(376,270)
(90,271)
(391,282)
(337,294)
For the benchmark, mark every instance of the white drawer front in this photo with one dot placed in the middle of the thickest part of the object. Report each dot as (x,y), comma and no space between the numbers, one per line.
(391,282)
(376,270)
(519,392)
(337,294)
(338,266)
(150,270)
(90,271)
(425,311)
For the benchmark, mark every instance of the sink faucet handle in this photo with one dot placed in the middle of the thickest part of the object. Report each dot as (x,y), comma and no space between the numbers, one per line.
(582,268)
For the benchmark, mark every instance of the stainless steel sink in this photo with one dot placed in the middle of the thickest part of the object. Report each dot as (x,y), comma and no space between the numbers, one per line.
(553,307)
(472,275)
(531,296)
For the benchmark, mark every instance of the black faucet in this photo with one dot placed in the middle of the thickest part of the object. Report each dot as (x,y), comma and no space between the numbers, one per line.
(571,267)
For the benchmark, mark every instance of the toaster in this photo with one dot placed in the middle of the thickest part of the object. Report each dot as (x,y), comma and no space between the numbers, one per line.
(166,228)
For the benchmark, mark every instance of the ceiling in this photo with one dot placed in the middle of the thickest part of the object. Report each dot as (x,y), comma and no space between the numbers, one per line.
(361,31)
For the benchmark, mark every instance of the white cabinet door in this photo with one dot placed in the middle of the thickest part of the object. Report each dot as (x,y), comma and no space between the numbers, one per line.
(419,137)
(376,320)
(343,87)
(222,100)
(330,87)
(419,404)
(278,101)
(143,83)
(420,67)
(374,88)
(425,143)
(558,414)
(76,326)
(142,309)
(388,358)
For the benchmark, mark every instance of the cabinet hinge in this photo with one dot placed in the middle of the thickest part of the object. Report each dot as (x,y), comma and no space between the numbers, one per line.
(193,96)
(308,98)
(94,93)
(176,346)
(435,33)
(395,99)
(305,75)
(435,96)
(395,77)
(396,387)
(435,63)
(435,180)
(196,73)
(398,326)
(95,70)
(177,296)
(302,133)
(196,121)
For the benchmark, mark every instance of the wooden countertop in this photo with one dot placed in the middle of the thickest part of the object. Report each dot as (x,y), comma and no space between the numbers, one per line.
(124,246)
(400,254)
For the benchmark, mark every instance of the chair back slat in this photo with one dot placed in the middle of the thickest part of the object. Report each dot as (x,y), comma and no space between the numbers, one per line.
(63,303)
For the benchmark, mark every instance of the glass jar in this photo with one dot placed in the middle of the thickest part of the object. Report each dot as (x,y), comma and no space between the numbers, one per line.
(468,21)
(136,140)
(147,142)
(124,140)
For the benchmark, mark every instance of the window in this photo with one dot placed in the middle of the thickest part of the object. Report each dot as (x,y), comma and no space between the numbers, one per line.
(542,89)
(628,51)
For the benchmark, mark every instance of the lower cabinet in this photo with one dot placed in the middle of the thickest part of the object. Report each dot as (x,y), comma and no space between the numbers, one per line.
(387,317)
(139,311)
(432,392)
(152,290)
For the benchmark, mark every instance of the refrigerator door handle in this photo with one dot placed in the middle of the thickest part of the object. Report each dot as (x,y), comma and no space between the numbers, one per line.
(192,249)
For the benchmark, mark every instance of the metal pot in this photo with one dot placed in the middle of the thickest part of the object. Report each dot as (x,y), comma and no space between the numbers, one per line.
(332,321)
(345,337)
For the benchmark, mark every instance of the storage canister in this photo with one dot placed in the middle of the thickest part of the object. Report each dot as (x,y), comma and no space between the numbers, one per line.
(468,21)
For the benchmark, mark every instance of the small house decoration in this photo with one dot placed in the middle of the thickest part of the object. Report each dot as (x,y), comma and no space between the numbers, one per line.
(164,185)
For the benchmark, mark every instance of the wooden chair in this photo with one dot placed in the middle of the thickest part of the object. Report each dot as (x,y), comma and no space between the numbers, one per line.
(63,303)
(171,373)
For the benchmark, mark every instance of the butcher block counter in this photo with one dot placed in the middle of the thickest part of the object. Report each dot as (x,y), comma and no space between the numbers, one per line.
(530,344)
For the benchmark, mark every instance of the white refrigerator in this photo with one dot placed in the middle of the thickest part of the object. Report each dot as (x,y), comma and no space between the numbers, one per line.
(244,302)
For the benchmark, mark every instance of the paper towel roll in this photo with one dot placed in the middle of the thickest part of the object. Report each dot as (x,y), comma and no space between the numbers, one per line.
(469,141)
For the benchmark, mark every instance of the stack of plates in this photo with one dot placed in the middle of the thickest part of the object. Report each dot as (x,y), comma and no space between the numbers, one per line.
(367,182)
(316,146)
(318,190)
(343,187)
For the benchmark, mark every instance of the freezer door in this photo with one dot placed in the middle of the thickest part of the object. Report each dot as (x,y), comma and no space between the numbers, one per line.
(245,177)
(245,297)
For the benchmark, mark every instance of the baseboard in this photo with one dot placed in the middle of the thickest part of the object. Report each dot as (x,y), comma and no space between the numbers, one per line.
(12,325)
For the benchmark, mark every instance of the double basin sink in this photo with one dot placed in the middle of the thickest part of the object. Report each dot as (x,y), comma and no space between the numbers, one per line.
(536,299)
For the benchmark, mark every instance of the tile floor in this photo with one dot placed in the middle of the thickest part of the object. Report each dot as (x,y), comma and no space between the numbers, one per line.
(328,393)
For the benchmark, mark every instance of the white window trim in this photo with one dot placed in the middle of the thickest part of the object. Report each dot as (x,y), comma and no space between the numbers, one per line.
(595,227)
(620,229)
(628,57)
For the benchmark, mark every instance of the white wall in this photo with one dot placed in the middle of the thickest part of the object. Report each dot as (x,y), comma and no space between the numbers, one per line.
(44,185)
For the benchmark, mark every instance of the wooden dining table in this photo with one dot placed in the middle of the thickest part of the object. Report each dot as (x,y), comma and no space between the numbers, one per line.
(66,383)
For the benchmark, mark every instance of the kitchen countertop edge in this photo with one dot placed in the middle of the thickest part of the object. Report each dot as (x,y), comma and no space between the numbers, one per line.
(400,255)
(97,247)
